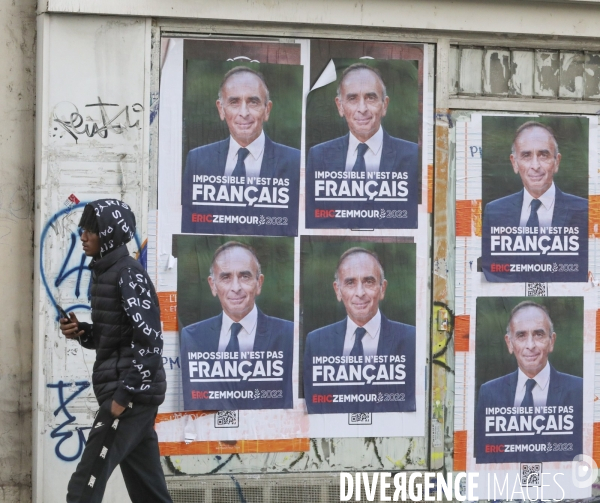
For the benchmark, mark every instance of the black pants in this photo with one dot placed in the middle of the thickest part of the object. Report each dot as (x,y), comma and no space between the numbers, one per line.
(129,441)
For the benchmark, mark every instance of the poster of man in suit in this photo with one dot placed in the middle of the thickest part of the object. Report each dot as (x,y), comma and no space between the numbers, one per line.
(235,317)
(528,377)
(367,177)
(241,172)
(359,349)
(535,198)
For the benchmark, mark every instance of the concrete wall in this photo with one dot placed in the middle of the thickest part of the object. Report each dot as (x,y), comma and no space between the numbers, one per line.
(17,113)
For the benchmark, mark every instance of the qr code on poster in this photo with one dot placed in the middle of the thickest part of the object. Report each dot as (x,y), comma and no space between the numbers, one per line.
(227,419)
(536,289)
(530,474)
(360,418)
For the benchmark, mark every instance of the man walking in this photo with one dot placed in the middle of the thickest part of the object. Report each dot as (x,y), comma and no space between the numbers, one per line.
(128,377)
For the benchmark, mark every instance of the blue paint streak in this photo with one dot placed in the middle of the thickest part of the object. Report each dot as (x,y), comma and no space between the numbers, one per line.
(47,227)
(63,273)
(239,489)
(154,107)
(62,407)
(143,252)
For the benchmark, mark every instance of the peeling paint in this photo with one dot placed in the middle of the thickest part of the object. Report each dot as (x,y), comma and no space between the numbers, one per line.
(496,71)
(591,76)
(546,73)
(517,73)
(571,75)
(522,69)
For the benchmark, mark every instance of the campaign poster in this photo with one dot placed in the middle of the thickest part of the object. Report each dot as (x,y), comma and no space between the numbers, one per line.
(235,310)
(528,379)
(358,324)
(535,173)
(241,147)
(363,148)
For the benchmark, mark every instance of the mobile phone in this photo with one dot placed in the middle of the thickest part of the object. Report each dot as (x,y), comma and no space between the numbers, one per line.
(63,313)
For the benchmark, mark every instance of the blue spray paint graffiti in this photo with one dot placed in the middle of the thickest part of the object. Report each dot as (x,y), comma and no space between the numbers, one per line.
(63,274)
(62,407)
(80,269)
(169,361)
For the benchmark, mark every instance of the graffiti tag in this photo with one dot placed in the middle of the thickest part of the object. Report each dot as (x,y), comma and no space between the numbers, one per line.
(70,120)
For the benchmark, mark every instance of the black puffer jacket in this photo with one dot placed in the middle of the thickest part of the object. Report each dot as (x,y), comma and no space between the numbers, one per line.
(125,329)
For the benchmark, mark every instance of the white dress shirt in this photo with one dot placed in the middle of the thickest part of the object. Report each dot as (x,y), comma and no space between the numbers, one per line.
(372,155)
(246,334)
(369,341)
(253,160)
(545,211)
(539,391)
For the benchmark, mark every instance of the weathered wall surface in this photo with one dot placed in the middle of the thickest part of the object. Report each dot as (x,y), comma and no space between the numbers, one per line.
(92,117)
(17,102)
(529,17)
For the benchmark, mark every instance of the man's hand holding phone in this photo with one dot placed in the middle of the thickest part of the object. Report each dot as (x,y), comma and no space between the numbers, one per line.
(69,325)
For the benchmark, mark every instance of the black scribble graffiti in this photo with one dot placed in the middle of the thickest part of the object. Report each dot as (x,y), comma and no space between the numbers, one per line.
(295,462)
(172,467)
(314,444)
(371,441)
(444,366)
(435,356)
(77,125)
(221,465)
(408,457)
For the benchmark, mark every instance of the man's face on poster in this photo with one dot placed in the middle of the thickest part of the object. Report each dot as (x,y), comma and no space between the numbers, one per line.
(359,287)
(361,103)
(244,107)
(530,339)
(535,160)
(236,281)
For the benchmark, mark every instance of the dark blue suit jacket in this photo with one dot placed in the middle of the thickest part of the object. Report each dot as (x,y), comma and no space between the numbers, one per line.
(396,156)
(563,390)
(279,161)
(569,211)
(272,334)
(394,339)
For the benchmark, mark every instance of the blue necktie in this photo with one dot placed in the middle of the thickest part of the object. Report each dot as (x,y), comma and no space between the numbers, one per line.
(359,165)
(533,216)
(528,399)
(240,167)
(357,349)
(234,344)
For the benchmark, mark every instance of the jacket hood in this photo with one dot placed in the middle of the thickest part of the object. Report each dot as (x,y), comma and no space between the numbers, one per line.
(116,223)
